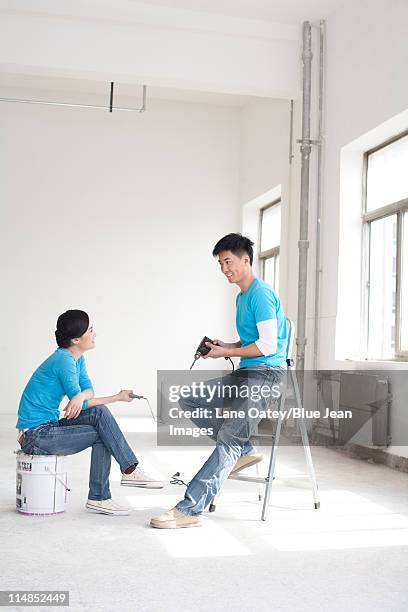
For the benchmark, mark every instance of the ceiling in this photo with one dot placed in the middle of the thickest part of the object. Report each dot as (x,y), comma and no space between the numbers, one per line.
(292,12)
(281,11)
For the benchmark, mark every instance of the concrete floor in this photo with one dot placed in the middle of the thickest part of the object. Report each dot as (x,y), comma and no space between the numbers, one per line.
(349,555)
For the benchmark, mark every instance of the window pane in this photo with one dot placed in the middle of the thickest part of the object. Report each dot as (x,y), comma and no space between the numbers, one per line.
(387,176)
(271,227)
(404,286)
(383,253)
(271,271)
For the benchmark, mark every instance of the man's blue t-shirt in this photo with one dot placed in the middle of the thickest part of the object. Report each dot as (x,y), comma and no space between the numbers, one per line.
(260,303)
(60,374)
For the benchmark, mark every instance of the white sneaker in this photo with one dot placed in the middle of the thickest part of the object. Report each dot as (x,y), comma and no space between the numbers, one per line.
(244,462)
(174,519)
(107,506)
(139,478)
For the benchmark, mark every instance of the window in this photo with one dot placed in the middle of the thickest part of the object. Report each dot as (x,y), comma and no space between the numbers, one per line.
(385,225)
(270,229)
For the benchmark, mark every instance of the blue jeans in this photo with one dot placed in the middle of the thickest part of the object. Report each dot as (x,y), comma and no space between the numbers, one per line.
(231,435)
(95,427)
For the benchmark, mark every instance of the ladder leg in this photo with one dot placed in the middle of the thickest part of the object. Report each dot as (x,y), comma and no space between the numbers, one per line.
(271,470)
(259,484)
(257,467)
(306,446)
(274,450)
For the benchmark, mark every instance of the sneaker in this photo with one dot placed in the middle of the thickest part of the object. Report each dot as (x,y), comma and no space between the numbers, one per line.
(174,519)
(244,462)
(107,506)
(139,478)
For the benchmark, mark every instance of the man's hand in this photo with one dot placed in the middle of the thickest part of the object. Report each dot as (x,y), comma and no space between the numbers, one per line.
(220,343)
(123,396)
(74,406)
(217,349)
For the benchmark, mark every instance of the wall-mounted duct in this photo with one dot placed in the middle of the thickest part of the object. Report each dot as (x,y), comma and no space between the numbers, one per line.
(110,107)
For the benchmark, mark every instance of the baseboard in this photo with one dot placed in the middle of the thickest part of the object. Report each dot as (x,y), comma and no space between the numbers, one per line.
(377,455)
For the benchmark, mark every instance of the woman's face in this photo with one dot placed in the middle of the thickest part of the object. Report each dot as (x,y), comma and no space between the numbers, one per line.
(87,340)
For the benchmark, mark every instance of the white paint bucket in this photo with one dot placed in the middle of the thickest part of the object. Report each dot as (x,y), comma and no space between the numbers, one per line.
(41,484)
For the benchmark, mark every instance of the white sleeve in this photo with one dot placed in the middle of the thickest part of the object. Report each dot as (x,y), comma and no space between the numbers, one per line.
(268,336)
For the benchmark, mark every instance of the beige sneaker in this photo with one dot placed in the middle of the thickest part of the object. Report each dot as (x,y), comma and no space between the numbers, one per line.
(139,478)
(174,519)
(244,462)
(107,506)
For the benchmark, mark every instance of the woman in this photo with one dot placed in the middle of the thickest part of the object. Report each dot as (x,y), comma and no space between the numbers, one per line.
(87,421)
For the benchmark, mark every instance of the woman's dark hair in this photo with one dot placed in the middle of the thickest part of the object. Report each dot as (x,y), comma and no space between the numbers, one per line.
(71,324)
(237,244)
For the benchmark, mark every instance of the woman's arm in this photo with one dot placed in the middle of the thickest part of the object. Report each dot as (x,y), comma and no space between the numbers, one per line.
(122,396)
(74,406)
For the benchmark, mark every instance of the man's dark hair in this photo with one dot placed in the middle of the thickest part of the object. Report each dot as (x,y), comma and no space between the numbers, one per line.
(71,324)
(237,244)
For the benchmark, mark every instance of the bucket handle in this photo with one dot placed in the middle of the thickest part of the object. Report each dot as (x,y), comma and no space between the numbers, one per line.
(47,469)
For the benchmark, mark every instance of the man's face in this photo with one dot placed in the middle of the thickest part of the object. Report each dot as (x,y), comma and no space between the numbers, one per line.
(233,266)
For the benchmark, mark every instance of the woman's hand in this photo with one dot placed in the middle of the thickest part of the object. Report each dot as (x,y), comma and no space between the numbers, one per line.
(74,406)
(124,395)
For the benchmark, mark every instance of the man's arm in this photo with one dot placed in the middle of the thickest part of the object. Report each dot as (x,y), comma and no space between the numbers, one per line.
(251,350)
(232,345)
(266,343)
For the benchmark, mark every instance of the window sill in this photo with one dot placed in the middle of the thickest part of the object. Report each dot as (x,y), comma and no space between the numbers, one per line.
(390,364)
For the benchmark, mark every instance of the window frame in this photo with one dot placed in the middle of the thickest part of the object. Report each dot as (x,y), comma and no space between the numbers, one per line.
(273,253)
(399,208)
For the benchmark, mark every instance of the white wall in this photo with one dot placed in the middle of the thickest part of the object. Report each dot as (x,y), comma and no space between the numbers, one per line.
(266,175)
(366,102)
(366,99)
(366,50)
(116,214)
(182,160)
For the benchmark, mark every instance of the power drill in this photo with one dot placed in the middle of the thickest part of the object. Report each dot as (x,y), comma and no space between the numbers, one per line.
(202,350)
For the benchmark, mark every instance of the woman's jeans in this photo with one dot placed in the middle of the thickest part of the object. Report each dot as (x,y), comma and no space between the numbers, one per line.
(231,435)
(95,427)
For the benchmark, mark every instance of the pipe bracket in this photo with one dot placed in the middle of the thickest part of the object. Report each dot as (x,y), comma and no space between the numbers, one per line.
(303,244)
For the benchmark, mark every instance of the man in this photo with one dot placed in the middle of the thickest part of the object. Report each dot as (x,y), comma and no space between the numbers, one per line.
(261,326)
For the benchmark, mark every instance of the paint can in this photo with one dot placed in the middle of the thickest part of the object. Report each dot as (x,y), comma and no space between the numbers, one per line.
(41,484)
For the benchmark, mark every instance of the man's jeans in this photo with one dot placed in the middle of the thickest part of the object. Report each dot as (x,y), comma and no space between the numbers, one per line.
(94,427)
(231,435)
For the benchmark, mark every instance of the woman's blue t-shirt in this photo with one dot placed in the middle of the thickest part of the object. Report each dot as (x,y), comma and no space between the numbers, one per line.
(59,375)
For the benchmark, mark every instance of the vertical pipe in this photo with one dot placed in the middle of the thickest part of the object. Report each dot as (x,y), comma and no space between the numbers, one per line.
(111,97)
(291,156)
(305,149)
(319,197)
(142,110)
